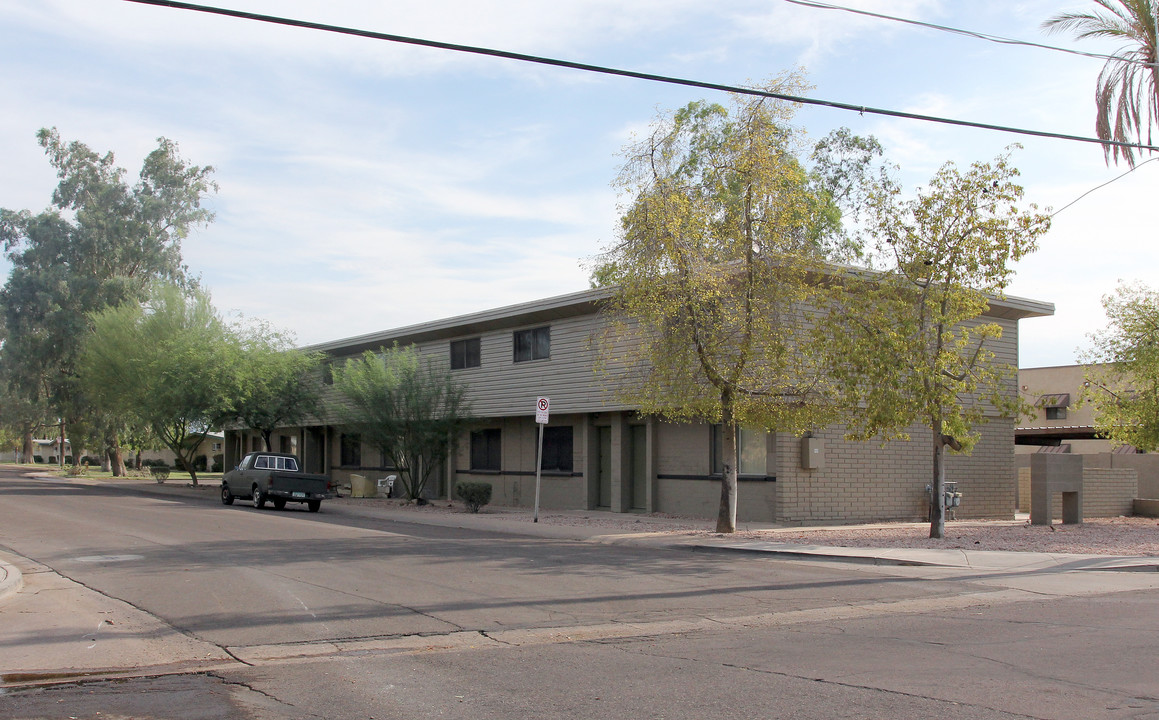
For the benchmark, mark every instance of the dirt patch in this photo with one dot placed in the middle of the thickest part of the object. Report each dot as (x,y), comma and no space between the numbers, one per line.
(1134,536)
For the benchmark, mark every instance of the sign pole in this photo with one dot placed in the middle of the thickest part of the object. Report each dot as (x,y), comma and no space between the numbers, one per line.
(542,409)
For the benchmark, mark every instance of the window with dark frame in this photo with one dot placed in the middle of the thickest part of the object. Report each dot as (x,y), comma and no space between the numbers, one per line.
(751,451)
(466,354)
(351,455)
(1056,413)
(532,344)
(486,447)
(557,448)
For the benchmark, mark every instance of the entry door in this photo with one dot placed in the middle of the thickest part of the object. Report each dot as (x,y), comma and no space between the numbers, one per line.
(638,437)
(605,478)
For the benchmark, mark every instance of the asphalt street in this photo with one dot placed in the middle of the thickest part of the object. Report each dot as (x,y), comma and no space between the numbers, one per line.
(150,602)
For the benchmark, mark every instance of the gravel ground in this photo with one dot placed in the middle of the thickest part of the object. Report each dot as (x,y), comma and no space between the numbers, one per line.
(1133,536)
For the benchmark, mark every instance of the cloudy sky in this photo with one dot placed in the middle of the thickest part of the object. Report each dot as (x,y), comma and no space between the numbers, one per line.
(367,185)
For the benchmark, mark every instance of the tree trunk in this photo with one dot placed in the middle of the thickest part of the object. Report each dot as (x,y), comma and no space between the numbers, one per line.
(726,518)
(28,451)
(938,496)
(118,460)
(188,467)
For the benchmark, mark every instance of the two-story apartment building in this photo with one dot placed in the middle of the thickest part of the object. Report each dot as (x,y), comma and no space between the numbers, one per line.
(599,453)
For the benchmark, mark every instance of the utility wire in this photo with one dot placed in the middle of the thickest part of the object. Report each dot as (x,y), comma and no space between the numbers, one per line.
(1100,187)
(861,109)
(967,33)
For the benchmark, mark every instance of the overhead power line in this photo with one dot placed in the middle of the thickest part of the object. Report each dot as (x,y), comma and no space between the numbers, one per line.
(861,109)
(966,33)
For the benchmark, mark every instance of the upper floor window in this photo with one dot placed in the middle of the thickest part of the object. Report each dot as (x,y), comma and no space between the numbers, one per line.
(1056,413)
(465,354)
(533,344)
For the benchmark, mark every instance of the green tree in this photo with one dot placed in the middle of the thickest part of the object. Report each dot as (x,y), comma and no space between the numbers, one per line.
(409,409)
(99,244)
(715,270)
(1122,380)
(21,413)
(1127,91)
(910,346)
(281,384)
(171,364)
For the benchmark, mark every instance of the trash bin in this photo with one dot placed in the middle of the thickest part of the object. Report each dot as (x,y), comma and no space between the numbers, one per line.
(360,487)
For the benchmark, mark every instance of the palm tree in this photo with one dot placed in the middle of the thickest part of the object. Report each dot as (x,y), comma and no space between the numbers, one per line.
(1126,100)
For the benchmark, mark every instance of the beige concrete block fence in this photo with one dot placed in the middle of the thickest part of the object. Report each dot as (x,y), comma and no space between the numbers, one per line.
(1107,492)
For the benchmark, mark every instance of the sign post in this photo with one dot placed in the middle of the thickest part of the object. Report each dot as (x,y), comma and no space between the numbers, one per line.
(542,410)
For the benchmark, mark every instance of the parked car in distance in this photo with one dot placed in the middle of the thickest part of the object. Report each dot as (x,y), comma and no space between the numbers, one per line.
(275,477)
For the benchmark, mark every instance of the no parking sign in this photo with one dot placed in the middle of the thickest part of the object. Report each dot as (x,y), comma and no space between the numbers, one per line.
(542,408)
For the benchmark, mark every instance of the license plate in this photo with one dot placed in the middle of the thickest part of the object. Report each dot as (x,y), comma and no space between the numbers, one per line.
(299,494)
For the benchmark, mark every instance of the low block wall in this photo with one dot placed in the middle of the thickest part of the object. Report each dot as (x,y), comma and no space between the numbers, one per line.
(1107,492)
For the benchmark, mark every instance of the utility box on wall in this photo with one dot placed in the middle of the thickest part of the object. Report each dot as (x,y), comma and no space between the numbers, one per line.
(812,453)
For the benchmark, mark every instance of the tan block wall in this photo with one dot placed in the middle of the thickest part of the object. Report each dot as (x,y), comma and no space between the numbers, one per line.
(867,481)
(1107,492)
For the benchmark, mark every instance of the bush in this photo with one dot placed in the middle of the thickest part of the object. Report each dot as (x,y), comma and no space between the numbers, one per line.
(39,459)
(218,463)
(200,463)
(160,472)
(474,494)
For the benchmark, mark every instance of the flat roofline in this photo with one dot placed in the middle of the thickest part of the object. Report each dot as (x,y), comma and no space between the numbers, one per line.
(527,313)
(569,305)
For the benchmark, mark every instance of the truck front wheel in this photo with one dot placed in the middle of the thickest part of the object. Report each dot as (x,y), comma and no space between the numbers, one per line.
(258,498)
(226,495)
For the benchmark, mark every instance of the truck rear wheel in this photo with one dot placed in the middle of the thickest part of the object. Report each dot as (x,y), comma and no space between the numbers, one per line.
(279,503)
(313,505)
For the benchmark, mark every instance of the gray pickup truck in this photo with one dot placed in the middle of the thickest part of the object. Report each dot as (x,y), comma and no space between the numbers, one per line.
(276,477)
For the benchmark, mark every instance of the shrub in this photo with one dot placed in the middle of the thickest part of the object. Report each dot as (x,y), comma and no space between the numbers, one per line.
(200,463)
(39,459)
(218,463)
(473,494)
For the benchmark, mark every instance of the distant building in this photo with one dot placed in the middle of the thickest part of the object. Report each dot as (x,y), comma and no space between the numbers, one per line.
(1060,423)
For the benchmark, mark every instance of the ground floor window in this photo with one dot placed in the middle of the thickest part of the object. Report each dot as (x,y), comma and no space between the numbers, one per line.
(557,448)
(751,451)
(485,450)
(351,449)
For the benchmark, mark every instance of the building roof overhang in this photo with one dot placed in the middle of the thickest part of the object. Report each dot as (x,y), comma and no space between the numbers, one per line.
(574,304)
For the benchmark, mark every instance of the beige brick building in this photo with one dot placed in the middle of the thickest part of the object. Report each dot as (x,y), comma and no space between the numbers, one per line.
(599,453)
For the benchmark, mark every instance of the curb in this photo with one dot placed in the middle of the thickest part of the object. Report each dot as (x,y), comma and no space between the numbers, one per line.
(11,580)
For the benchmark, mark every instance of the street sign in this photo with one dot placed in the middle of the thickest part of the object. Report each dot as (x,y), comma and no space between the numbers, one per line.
(542,409)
